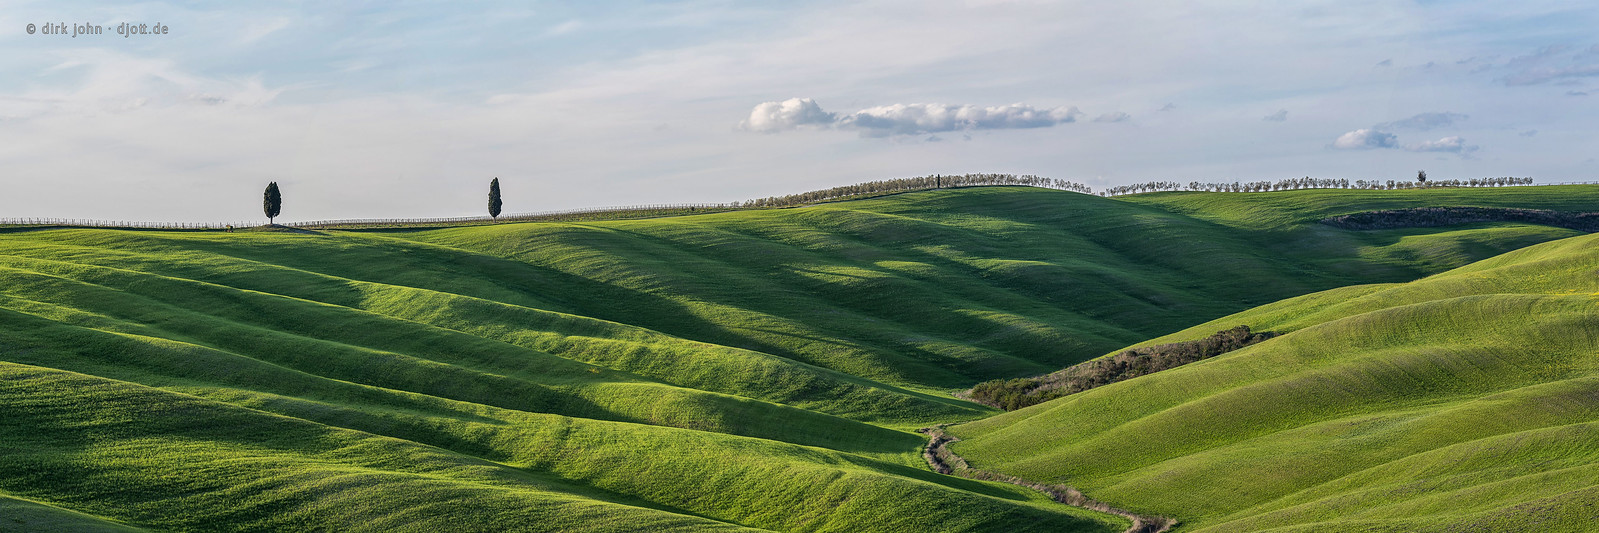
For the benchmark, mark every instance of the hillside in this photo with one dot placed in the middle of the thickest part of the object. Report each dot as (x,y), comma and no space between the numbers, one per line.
(753,369)
(949,287)
(1463,401)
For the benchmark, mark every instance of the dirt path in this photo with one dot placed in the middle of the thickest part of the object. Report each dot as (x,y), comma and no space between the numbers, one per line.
(944,461)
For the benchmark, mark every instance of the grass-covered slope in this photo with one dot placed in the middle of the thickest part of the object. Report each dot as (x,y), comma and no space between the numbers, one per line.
(18,514)
(154,380)
(164,459)
(757,369)
(1468,400)
(945,288)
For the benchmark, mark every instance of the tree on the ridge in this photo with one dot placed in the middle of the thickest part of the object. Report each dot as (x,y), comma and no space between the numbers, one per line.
(494,199)
(1421,176)
(272,202)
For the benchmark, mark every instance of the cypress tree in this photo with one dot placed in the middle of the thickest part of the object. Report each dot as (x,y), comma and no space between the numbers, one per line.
(494,199)
(272,202)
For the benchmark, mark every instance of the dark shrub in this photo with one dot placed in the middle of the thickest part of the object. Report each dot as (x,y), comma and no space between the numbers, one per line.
(1013,394)
(1426,217)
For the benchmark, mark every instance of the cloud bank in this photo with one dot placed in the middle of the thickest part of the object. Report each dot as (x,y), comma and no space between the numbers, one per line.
(1425,121)
(1113,116)
(1553,64)
(1451,144)
(1376,138)
(1366,138)
(793,113)
(910,119)
(406,118)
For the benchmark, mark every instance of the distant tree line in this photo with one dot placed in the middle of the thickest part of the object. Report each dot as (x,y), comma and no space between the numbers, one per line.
(1422,183)
(1013,394)
(1426,217)
(1311,183)
(273,201)
(935,181)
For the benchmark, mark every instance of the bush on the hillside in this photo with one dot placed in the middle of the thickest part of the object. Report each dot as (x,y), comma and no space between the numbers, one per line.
(1013,394)
(1425,217)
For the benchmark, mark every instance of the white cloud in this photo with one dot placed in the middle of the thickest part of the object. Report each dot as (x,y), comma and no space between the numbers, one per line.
(910,119)
(1552,63)
(1371,138)
(1280,116)
(772,117)
(1366,138)
(114,81)
(1113,116)
(1425,121)
(1452,144)
(1377,137)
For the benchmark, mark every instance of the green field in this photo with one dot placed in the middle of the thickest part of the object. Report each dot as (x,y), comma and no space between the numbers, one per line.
(1465,401)
(756,369)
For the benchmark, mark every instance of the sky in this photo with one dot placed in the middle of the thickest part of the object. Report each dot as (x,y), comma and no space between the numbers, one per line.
(408,109)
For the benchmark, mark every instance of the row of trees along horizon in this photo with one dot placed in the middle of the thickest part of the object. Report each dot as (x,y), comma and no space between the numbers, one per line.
(1311,183)
(272,198)
(273,201)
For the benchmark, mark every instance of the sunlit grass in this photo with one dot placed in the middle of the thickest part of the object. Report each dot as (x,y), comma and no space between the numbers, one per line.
(1458,401)
(756,369)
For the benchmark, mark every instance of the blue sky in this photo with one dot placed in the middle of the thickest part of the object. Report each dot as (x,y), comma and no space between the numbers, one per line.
(388,109)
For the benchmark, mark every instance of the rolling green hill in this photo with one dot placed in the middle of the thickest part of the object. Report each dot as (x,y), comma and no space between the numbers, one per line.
(949,287)
(753,369)
(1465,401)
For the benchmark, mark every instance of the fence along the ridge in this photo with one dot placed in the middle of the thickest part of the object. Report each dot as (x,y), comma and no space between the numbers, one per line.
(636,210)
(643,209)
(843,192)
(858,190)
(130,224)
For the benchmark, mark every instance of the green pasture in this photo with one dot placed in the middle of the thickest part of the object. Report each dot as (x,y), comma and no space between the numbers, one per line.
(764,369)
